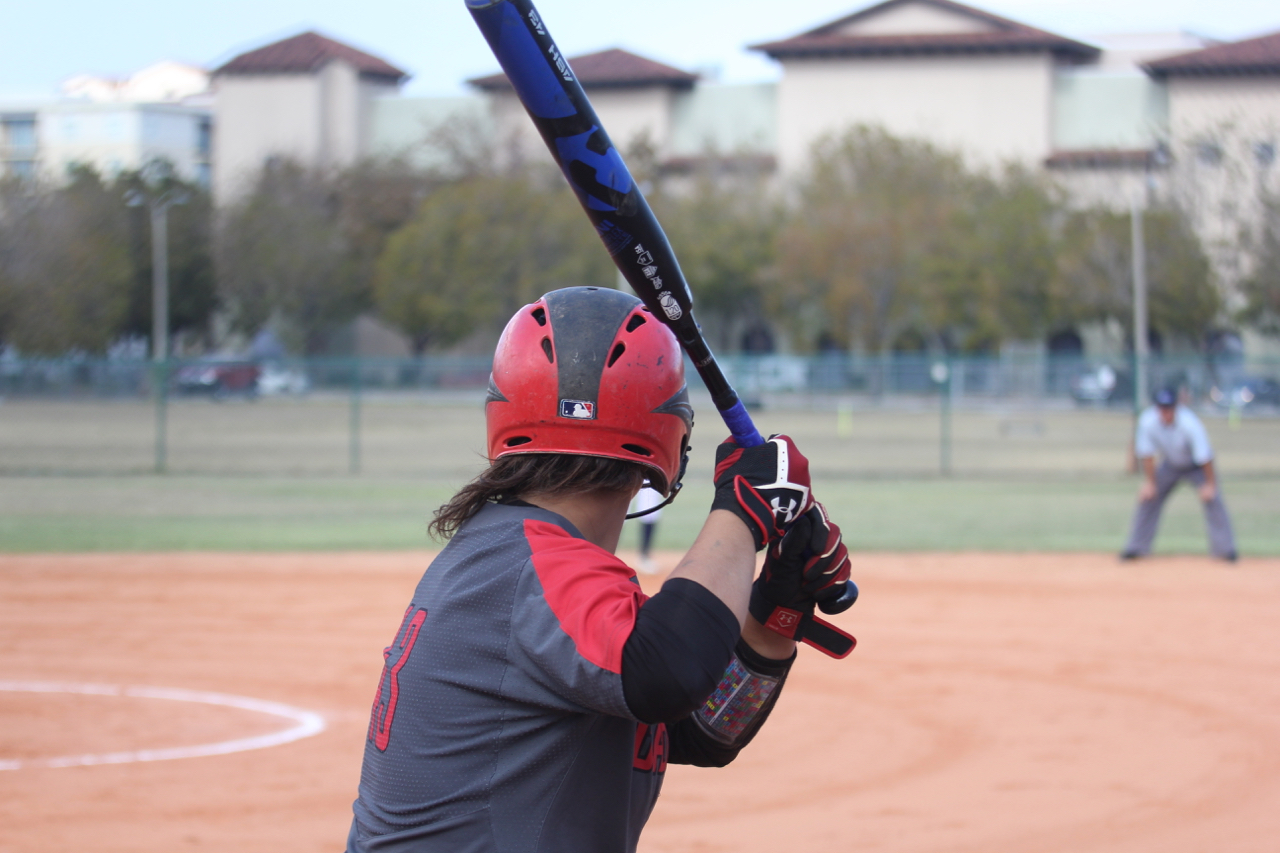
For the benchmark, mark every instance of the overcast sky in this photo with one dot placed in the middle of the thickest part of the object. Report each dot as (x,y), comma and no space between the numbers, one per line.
(43,43)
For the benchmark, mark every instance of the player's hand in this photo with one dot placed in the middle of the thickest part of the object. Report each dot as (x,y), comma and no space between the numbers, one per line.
(1208,491)
(766,486)
(807,566)
(1147,491)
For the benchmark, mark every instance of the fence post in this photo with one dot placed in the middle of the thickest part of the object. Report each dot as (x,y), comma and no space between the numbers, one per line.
(160,379)
(353,452)
(942,373)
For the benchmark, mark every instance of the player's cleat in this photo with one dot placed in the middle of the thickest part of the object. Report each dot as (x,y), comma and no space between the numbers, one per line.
(1231,556)
(1129,555)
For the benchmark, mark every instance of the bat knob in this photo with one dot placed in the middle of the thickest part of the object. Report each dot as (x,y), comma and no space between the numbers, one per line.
(833,606)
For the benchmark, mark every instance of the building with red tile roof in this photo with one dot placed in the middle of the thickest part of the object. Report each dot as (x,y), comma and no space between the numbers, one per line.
(858,35)
(306,98)
(1255,56)
(961,77)
(308,53)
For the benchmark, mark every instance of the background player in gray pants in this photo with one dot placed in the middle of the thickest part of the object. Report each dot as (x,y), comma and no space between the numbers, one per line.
(1180,438)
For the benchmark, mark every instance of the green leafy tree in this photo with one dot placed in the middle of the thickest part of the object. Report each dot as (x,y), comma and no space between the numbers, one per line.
(990,279)
(1185,302)
(1261,289)
(1095,274)
(282,256)
(66,271)
(871,217)
(724,230)
(480,247)
(376,197)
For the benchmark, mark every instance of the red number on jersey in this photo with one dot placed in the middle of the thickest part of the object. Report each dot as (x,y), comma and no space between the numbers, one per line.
(394,657)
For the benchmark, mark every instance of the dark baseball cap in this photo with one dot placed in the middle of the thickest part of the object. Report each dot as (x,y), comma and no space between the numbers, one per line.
(1165,397)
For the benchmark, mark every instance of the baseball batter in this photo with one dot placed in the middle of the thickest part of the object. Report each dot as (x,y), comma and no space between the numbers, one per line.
(1175,433)
(533,695)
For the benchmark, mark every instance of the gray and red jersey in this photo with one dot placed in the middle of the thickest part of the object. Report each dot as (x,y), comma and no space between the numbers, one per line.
(500,722)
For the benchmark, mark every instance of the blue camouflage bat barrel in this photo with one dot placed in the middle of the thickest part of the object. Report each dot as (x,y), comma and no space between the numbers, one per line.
(554,99)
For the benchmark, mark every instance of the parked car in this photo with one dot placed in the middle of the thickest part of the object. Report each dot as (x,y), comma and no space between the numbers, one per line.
(275,380)
(1102,384)
(218,378)
(1246,391)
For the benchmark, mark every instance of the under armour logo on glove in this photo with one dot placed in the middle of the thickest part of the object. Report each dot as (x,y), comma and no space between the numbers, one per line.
(766,486)
(785,515)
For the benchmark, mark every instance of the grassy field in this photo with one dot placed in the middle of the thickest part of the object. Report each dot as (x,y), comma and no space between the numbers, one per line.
(272,475)
(147,513)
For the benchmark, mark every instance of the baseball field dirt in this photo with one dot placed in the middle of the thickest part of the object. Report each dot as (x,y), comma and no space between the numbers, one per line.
(995,703)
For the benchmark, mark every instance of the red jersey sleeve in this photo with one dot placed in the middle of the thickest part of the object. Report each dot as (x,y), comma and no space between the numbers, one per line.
(592,593)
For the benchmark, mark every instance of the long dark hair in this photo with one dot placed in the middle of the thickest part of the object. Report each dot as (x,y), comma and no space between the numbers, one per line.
(550,474)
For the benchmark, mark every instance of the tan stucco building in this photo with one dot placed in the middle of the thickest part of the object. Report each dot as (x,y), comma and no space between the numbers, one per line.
(308,98)
(964,79)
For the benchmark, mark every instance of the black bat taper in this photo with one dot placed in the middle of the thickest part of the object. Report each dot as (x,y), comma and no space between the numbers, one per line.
(555,100)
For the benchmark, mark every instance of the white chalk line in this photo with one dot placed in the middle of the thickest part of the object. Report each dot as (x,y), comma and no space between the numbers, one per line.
(309,723)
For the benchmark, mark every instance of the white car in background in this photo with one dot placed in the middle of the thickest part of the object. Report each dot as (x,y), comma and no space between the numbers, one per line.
(276,380)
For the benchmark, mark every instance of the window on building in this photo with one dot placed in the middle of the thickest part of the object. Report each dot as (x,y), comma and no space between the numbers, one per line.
(19,135)
(1208,153)
(204,137)
(1264,153)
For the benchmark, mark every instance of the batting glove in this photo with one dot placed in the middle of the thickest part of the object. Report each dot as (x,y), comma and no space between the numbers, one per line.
(808,567)
(766,486)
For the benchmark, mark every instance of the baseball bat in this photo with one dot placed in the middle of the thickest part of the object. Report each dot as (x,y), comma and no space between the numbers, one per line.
(576,138)
(554,99)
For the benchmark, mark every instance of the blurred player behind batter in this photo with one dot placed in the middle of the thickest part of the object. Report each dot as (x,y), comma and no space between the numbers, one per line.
(533,695)
(1177,435)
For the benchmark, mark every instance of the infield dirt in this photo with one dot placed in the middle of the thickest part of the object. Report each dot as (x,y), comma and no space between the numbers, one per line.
(997,703)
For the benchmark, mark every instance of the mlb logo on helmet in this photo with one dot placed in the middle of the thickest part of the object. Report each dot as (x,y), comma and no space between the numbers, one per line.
(582,410)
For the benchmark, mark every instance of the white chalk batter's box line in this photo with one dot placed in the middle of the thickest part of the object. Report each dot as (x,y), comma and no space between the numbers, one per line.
(307,723)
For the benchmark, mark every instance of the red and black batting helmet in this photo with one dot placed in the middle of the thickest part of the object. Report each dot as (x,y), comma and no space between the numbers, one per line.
(589,371)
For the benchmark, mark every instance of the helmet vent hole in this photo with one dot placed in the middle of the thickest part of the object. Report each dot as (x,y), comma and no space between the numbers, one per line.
(518,440)
(616,354)
(635,448)
(540,315)
(546,348)
(636,321)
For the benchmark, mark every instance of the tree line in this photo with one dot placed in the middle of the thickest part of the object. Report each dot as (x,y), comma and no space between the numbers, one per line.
(886,244)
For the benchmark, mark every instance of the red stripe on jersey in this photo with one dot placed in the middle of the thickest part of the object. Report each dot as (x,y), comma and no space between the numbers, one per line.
(592,593)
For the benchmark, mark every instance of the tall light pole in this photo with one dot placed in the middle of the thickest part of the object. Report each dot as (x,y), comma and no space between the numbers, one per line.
(159,281)
(1140,348)
(1158,158)
(158,199)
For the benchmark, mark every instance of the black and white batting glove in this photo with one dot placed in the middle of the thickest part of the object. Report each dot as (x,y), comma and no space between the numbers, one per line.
(808,567)
(766,486)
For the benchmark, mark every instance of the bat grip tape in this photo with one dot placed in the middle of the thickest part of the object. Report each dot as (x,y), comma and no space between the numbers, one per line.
(740,424)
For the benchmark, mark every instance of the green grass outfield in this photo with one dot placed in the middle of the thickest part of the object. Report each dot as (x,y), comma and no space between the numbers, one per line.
(271,475)
(273,513)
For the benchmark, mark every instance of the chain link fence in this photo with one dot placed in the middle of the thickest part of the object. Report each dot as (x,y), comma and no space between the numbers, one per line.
(858,416)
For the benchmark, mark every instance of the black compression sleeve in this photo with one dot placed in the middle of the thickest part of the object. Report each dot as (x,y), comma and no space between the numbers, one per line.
(678,650)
